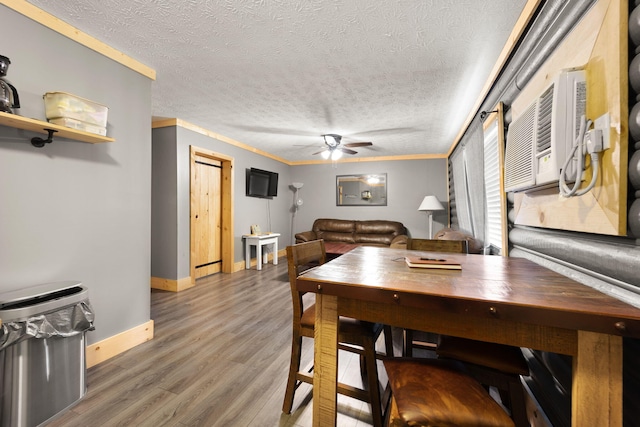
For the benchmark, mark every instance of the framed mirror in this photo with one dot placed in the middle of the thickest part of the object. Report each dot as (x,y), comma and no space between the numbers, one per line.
(361,190)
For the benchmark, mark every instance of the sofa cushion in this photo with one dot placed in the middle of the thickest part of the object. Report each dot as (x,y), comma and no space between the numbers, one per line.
(379,227)
(374,239)
(332,236)
(337,225)
(378,232)
(334,230)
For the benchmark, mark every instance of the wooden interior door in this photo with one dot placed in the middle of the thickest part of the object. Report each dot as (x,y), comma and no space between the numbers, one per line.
(207,216)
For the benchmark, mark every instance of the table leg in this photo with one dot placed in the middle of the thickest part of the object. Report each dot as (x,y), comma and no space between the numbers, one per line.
(325,372)
(597,381)
(265,254)
(259,256)
(275,252)
(247,255)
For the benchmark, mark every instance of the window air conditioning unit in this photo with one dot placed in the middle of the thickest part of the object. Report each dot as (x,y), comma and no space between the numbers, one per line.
(539,140)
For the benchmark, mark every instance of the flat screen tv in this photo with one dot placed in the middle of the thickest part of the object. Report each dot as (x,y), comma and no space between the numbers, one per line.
(261,183)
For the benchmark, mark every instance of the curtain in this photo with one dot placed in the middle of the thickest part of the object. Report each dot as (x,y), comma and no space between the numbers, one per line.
(467,163)
(463,215)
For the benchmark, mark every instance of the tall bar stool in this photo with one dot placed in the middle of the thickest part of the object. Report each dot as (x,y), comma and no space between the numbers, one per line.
(353,335)
(494,365)
(431,245)
(433,392)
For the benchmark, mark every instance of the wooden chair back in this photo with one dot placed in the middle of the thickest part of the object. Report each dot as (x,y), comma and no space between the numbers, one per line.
(354,336)
(436,245)
(429,342)
(485,361)
(301,257)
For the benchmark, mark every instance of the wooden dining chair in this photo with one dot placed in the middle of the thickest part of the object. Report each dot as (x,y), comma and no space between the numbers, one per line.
(434,392)
(353,335)
(409,342)
(496,365)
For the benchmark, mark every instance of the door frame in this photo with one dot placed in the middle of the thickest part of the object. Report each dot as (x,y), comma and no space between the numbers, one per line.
(226,183)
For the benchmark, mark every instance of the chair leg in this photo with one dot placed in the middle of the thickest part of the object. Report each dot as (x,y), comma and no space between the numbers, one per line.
(388,341)
(373,383)
(510,389)
(518,404)
(363,366)
(393,417)
(407,343)
(294,367)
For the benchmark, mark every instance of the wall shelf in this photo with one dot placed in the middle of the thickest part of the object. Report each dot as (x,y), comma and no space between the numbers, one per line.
(25,123)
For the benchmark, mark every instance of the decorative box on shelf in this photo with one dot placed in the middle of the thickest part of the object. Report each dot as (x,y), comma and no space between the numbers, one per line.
(72,111)
(80,125)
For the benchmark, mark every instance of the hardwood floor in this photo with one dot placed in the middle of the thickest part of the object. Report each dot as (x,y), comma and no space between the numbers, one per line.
(220,357)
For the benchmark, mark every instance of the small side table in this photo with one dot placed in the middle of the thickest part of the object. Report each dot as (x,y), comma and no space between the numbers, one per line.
(260,240)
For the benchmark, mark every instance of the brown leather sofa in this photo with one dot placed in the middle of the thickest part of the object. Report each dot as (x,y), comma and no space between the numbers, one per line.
(370,233)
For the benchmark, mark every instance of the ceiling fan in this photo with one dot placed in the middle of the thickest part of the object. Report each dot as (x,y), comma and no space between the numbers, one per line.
(335,149)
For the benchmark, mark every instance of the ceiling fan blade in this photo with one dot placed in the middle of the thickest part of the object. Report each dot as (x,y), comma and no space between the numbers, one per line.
(346,150)
(322,151)
(358,144)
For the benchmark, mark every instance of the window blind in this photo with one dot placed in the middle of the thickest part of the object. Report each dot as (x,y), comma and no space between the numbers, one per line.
(493,236)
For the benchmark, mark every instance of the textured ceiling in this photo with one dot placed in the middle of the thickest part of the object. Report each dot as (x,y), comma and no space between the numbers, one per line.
(277,74)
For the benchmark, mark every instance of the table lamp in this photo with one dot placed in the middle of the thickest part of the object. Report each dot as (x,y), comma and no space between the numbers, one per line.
(430,204)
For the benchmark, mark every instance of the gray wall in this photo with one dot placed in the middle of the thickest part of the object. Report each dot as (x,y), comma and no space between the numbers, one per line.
(164,205)
(408,181)
(171,148)
(268,213)
(72,210)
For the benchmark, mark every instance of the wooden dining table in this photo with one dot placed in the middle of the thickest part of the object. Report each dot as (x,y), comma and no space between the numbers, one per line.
(491,298)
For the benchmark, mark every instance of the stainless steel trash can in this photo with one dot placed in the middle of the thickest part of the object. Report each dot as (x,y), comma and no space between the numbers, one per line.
(42,351)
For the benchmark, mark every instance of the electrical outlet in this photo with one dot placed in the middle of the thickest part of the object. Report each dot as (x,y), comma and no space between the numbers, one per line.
(604,124)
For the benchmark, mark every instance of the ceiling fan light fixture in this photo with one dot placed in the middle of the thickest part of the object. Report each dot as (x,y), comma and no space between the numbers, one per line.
(325,154)
(336,154)
(331,139)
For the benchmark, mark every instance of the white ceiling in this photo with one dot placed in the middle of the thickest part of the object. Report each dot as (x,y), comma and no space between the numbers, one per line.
(277,74)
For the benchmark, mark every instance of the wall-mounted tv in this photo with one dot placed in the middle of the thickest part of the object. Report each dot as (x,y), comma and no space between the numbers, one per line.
(261,183)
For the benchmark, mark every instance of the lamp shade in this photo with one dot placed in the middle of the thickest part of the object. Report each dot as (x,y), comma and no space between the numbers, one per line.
(430,203)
